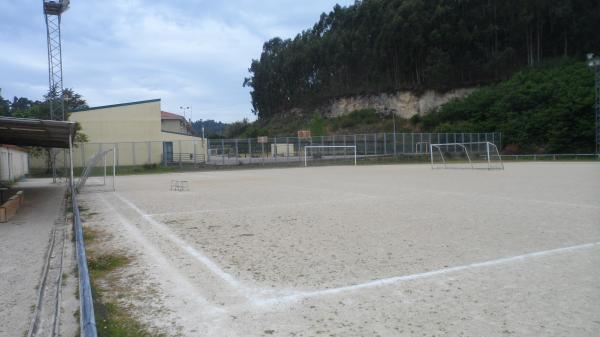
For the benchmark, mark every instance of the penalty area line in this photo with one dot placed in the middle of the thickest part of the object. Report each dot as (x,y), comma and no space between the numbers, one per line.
(297,296)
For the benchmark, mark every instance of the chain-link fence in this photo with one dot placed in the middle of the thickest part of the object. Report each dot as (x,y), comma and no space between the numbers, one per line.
(263,150)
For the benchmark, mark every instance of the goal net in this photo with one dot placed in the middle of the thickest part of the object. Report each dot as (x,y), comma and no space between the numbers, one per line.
(99,172)
(316,154)
(479,155)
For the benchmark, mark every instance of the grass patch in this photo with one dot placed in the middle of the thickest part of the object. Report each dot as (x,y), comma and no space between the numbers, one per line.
(103,264)
(89,235)
(114,321)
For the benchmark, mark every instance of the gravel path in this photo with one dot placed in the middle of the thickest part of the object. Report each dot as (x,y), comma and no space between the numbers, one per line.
(23,245)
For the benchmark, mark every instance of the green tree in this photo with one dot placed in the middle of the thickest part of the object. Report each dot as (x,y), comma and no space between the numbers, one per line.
(379,46)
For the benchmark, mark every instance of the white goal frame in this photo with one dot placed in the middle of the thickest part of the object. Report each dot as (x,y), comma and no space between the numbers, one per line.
(95,160)
(490,149)
(353,147)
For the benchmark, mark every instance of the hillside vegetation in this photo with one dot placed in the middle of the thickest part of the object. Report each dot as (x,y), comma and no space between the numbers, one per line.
(543,108)
(379,46)
(546,108)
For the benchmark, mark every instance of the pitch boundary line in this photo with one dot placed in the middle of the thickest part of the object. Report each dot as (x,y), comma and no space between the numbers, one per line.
(300,295)
(297,296)
(205,260)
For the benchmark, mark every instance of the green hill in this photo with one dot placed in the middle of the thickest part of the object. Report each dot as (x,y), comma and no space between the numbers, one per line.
(546,108)
(377,46)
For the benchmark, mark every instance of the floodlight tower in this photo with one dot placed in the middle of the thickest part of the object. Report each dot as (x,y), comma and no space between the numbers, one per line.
(53,11)
(594,63)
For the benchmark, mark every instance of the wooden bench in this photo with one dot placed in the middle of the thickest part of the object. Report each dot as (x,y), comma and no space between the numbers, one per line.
(10,207)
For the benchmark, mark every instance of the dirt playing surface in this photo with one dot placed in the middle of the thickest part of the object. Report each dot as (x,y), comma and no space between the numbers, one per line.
(361,251)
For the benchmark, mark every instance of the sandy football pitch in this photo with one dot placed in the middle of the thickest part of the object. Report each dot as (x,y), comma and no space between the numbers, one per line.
(391,250)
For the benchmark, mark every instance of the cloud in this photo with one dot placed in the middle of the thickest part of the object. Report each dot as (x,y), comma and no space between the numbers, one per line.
(186,52)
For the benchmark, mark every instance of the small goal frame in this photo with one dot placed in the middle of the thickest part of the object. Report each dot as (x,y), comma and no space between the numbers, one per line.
(353,147)
(490,148)
(100,157)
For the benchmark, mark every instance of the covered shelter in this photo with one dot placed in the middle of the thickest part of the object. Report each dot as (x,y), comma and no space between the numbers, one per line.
(38,132)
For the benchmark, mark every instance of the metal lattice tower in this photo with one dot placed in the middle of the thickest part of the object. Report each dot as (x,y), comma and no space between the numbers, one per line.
(53,11)
(594,63)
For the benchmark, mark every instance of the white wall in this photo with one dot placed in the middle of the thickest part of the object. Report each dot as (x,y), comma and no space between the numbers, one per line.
(14,163)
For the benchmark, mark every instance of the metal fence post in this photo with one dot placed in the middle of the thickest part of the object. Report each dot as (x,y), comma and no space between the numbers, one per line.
(207,149)
(117,154)
(237,154)
(195,156)
(299,148)
(375,143)
(249,151)
(395,149)
(385,143)
(223,150)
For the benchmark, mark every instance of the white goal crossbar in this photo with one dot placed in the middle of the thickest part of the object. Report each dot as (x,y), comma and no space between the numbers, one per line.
(490,151)
(306,148)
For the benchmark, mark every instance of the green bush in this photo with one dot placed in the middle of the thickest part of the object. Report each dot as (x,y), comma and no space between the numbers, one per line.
(545,108)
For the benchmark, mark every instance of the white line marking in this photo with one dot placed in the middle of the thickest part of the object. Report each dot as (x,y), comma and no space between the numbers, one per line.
(297,296)
(163,263)
(205,260)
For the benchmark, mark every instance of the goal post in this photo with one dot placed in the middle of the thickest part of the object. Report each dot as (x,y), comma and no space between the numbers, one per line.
(330,152)
(102,160)
(476,155)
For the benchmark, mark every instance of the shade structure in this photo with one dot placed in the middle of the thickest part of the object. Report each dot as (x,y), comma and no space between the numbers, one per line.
(36,132)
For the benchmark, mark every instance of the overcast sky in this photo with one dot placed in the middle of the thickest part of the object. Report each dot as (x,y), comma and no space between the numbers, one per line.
(186,52)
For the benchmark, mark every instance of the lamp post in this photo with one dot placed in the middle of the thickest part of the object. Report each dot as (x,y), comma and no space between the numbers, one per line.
(594,63)
(183,110)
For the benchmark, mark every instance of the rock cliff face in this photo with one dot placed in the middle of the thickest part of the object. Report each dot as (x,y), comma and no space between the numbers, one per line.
(403,103)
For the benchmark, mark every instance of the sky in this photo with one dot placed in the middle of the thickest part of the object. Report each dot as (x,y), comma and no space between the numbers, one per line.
(187,53)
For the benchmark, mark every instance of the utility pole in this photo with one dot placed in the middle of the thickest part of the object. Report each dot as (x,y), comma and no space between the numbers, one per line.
(594,63)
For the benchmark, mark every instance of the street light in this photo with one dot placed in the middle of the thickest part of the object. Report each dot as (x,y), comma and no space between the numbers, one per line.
(183,110)
(594,64)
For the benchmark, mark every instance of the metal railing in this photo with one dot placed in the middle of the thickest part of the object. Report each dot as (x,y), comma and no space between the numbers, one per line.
(87,318)
(551,157)
(186,158)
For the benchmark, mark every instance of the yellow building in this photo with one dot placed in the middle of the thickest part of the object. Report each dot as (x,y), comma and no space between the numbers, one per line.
(139,132)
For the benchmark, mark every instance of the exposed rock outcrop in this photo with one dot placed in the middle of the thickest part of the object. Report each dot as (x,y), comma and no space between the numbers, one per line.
(403,103)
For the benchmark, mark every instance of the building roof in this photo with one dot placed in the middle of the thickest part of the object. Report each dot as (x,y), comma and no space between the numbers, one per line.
(14,147)
(36,132)
(169,115)
(117,105)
